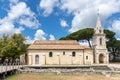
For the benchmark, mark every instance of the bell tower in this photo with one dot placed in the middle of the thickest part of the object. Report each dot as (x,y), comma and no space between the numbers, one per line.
(99,44)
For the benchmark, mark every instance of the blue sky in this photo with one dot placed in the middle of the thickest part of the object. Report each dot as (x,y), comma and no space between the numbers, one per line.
(53,19)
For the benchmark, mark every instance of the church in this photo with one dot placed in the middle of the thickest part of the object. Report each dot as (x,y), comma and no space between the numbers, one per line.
(70,52)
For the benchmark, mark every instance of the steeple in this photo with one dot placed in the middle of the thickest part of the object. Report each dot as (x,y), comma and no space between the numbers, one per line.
(99,42)
(98,29)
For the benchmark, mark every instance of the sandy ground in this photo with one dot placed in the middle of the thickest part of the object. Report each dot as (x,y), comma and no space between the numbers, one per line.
(61,77)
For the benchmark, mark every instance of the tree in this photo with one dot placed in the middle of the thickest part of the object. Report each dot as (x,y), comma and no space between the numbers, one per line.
(12,47)
(21,48)
(114,48)
(3,42)
(86,34)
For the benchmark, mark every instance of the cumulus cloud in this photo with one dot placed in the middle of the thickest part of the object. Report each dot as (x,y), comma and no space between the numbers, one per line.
(40,35)
(82,20)
(85,43)
(84,11)
(28,40)
(19,14)
(14,1)
(8,27)
(48,6)
(30,22)
(116,27)
(63,23)
(52,37)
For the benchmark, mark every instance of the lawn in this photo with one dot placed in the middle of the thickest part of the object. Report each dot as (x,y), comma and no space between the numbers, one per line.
(61,77)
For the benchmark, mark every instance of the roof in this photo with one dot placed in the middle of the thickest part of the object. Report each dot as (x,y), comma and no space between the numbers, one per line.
(55,45)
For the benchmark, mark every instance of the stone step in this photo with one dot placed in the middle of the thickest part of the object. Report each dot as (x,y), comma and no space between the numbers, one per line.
(101,68)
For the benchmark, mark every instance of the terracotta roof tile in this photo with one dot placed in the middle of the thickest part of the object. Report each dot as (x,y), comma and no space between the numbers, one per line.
(60,44)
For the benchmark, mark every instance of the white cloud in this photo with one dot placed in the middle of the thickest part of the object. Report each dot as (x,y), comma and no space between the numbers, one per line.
(8,28)
(14,1)
(48,6)
(73,5)
(18,10)
(63,23)
(116,28)
(84,12)
(19,14)
(40,35)
(30,22)
(52,37)
(85,43)
(28,40)
(83,19)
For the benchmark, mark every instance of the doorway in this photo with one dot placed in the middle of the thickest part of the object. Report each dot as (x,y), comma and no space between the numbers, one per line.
(101,58)
(37,59)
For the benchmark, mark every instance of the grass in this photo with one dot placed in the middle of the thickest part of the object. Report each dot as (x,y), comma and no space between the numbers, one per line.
(61,77)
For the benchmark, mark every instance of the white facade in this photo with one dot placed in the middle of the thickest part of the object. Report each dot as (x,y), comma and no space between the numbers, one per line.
(61,57)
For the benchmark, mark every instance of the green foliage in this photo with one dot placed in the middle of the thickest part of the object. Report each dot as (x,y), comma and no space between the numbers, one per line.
(114,48)
(109,34)
(12,47)
(84,34)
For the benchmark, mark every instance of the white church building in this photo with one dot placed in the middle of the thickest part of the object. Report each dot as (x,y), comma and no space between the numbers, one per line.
(69,52)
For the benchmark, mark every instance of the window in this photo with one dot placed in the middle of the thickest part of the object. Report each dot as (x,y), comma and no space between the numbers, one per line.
(50,54)
(100,41)
(86,57)
(73,54)
(37,59)
(64,53)
(100,31)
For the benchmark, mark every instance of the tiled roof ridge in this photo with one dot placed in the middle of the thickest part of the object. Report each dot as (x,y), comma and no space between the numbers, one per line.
(64,44)
(56,42)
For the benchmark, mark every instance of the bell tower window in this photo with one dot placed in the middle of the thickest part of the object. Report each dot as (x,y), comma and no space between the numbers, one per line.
(100,41)
(100,31)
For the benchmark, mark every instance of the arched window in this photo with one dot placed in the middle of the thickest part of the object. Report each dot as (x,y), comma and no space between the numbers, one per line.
(50,54)
(100,41)
(64,53)
(37,59)
(73,54)
(86,57)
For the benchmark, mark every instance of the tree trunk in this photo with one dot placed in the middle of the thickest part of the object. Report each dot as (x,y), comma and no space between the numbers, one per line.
(89,43)
(114,57)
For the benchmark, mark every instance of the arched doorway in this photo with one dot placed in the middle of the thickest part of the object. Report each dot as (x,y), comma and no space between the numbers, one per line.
(101,58)
(37,59)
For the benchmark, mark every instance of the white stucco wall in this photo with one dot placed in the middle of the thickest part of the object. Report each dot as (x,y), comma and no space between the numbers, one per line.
(59,59)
